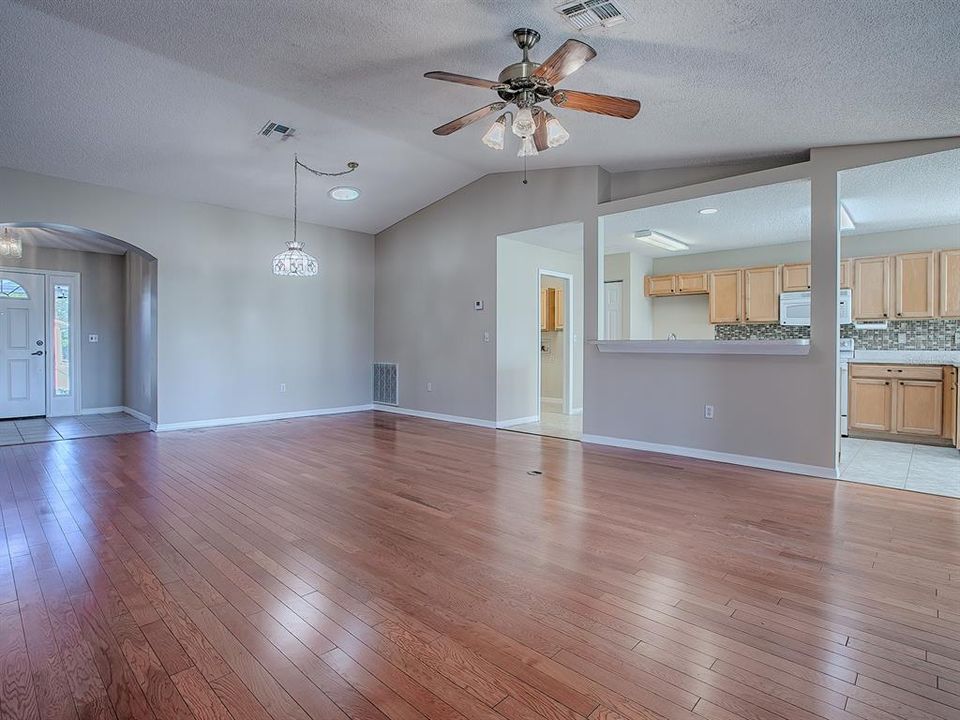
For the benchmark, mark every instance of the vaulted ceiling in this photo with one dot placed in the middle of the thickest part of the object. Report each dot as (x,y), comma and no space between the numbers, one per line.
(167,97)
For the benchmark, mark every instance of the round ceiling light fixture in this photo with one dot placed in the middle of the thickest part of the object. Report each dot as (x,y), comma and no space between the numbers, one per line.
(708,211)
(344,193)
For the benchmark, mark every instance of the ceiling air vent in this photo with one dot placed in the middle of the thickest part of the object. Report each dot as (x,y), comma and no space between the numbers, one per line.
(589,14)
(272,129)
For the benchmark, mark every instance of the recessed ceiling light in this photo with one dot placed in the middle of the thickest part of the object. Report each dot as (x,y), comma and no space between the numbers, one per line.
(708,211)
(344,192)
(664,242)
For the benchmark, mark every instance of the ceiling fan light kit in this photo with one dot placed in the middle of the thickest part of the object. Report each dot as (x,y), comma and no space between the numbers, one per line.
(526,84)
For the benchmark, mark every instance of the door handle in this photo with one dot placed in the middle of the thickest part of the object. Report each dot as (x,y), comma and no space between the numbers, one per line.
(37,352)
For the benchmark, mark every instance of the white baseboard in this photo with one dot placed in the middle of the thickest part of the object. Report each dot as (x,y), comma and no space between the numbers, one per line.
(517,421)
(435,416)
(220,422)
(552,403)
(103,410)
(138,415)
(732,458)
(576,411)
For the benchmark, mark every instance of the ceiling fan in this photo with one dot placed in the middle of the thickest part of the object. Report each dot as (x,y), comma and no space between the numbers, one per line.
(526,84)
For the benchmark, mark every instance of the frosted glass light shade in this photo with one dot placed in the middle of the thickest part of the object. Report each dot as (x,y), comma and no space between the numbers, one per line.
(295,262)
(524,124)
(527,148)
(494,137)
(557,135)
(10,246)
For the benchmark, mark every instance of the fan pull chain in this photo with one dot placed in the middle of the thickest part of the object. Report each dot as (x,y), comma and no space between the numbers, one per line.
(524,169)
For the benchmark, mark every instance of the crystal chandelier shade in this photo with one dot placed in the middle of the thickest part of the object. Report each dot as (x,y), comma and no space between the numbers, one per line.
(10,246)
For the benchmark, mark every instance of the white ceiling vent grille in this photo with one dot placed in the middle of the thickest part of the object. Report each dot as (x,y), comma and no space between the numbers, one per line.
(273,130)
(590,14)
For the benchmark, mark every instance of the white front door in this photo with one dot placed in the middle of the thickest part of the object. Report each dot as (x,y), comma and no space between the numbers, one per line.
(22,344)
(613,310)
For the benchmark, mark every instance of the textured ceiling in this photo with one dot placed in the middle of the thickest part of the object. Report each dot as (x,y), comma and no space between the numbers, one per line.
(166,97)
(913,193)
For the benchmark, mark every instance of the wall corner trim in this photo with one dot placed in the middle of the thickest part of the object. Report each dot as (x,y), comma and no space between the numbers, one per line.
(731,458)
(435,416)
(517,421)
(243,420)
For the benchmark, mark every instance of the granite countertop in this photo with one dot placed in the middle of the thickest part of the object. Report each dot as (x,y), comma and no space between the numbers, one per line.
(908,357)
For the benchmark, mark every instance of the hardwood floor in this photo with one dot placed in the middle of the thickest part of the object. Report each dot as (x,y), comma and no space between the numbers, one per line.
(374,566)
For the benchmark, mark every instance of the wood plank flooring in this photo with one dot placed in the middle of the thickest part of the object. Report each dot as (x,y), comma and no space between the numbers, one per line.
(372,566)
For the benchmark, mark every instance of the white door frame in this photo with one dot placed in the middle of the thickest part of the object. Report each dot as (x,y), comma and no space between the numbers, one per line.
(568,340)
(76,339)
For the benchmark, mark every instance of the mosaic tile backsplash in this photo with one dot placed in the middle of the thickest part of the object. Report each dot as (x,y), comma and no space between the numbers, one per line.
(934,334)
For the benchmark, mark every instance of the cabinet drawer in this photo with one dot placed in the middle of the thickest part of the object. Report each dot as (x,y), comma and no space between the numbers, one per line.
(897,372)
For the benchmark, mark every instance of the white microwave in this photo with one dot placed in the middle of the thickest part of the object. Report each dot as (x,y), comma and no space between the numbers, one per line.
(795,308)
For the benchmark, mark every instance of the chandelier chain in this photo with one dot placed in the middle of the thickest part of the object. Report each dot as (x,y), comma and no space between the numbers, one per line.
(351,166)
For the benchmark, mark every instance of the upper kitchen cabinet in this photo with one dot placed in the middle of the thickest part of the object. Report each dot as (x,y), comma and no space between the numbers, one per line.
(846,274)
(871,288)
(726,296)
(950,284)
(915,282)
(761,294)
(660,285)
(692,283)
(796,277)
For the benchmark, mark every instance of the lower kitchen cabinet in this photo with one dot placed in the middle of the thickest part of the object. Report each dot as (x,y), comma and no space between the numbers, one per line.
(902,400)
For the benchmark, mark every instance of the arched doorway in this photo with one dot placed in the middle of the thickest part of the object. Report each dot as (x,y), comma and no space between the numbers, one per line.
(78,329)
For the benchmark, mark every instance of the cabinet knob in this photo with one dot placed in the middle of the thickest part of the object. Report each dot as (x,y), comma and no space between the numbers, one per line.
(887,382)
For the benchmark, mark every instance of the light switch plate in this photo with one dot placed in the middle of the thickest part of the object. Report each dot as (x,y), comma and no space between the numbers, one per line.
(478,304)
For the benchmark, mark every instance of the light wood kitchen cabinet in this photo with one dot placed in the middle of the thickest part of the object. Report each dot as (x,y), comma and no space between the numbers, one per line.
(796,277)
(919,406)
(551,309)
(692,283)
(659,285)
(726,296)
(846,274)
(870,404)
(903,400)
(761,294)
(950,283)
(871,288)
(915,283)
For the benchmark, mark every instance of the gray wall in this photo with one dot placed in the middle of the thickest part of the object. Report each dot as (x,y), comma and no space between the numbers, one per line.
(229,331)
(101,312)
(435,263)
(140,356)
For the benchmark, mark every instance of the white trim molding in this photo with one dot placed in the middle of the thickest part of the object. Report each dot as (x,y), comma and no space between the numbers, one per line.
(435,416)
(731,458)
(246,419)
(105,410)
(140,416)
(517,421)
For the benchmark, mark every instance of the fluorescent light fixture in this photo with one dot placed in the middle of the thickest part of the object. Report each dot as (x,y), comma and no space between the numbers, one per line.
(846,222)
(344,193)
(708,211)
(664,242)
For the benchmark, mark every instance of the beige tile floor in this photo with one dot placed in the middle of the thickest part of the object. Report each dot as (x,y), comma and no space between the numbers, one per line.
(554,424)
(31,430)
(921,468)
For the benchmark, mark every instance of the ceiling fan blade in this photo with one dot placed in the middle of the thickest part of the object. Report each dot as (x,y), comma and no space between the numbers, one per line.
(540,134)
(566,60)
(460,122)
(594,103)
(461,79)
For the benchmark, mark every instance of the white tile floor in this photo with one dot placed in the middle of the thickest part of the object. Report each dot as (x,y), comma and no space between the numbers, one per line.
(31,430)
(554,424)
(921,468)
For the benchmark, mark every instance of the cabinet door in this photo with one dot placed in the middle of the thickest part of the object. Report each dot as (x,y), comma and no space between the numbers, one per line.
(692,283)
(761,294)
(543,308)
(871,288)
(726,296)
(950,283)
(915,280)
(920,407)
(796,277)
(657,285)
(846,274)
(870,404)
(558,309)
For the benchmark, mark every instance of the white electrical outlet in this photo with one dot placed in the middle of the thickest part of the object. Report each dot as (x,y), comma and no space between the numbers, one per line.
(708,412)
(93,338)
(901,338)
(283,387)
(429,387)
(956,338)
(486,337)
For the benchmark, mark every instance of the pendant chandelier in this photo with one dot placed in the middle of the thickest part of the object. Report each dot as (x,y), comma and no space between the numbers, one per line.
(10,246)
(294,262)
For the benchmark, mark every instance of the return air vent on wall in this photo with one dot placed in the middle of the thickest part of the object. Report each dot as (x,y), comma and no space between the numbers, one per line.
(272,130)
(589,14)
(385,383)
